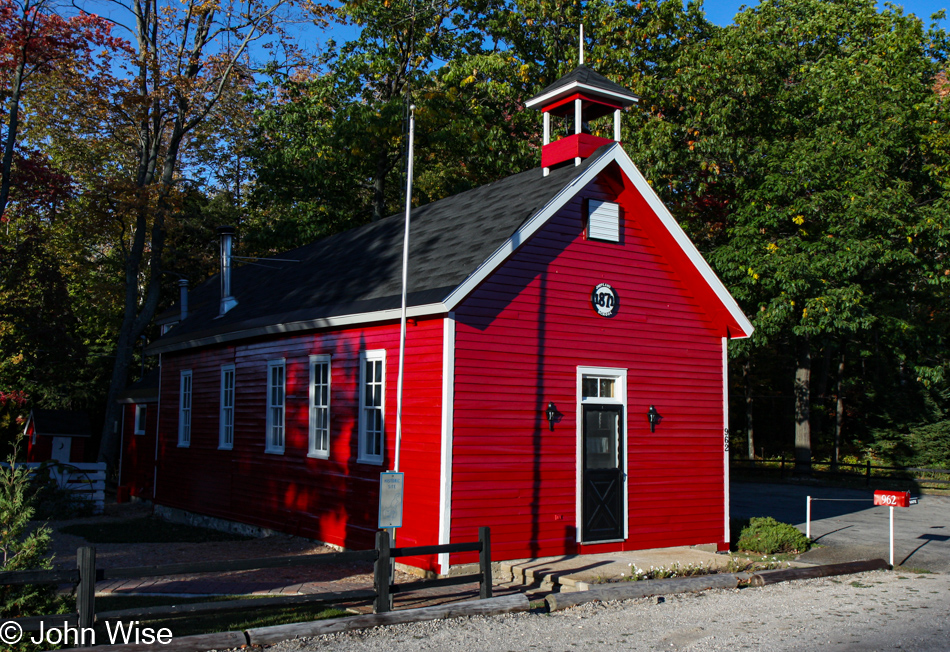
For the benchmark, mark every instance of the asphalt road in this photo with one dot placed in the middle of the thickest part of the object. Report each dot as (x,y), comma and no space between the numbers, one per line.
(848,527)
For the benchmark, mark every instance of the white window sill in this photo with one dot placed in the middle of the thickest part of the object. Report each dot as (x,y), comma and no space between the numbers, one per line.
(377,461)
(184,444)
(274,451)
(226,447)
(319,455)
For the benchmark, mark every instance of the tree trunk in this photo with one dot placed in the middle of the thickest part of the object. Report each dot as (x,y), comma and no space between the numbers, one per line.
(379,187)
(821,390)
(803,408)
(839,411)
(747,381)
(13,125)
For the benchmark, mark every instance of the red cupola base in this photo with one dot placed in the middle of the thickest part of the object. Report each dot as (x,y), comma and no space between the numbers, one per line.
(571,147)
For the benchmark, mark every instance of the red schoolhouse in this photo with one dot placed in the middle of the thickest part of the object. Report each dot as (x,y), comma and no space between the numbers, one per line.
(565,368)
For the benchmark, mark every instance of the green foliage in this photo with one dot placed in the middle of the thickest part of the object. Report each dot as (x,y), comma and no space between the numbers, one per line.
(923,446)
(23,545)
(767,536)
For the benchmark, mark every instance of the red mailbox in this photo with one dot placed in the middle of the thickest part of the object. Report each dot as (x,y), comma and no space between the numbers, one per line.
(892,498)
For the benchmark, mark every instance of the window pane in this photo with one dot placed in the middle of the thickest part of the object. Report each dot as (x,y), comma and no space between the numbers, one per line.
(606,388)
(589,387)
(379,371)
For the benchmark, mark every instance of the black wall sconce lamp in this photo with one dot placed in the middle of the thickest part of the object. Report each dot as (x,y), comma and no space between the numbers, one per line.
(654,418)
(551,413)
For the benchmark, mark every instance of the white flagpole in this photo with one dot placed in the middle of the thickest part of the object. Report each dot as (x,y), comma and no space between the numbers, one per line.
(405,276)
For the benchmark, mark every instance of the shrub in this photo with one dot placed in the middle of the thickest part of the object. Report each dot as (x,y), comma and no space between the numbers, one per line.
(23,546)
(768,536)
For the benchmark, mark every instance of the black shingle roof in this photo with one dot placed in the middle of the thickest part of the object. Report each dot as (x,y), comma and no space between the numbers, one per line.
(61,423)
(584,75)
(360,270)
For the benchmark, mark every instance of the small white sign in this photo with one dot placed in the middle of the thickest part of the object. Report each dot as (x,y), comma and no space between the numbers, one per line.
(390,499)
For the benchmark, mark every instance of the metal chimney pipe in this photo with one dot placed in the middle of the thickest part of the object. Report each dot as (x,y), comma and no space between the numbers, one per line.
(183,300)
(226,234)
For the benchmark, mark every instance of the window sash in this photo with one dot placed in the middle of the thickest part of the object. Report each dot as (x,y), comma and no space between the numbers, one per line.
(184,409)
(372,406)
(226,432)
(276,389)
(140,418)
(319,406)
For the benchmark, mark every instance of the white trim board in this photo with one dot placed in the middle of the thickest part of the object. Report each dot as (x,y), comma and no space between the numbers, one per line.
(448,416)
(616,154)
(725,435)
(626,99)
(620,375)
(426,310)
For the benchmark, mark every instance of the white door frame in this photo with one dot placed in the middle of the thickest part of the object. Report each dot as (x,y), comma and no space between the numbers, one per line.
(620,376)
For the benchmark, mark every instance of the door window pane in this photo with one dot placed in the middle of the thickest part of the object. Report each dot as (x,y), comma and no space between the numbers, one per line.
(600,435)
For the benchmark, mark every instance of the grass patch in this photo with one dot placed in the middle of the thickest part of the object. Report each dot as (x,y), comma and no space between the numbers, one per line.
(188,625)
(767,536)
(147,530)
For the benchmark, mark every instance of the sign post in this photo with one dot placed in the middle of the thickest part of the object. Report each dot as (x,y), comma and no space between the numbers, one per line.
(390,504)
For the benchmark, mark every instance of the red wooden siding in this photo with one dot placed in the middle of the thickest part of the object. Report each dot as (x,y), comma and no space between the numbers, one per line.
(520,337)
(333,500)
(138,451)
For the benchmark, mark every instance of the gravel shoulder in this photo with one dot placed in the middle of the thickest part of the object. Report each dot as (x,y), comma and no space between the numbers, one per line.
(868,611)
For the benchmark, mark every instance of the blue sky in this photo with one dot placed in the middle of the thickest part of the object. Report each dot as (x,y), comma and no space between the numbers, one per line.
(722,12)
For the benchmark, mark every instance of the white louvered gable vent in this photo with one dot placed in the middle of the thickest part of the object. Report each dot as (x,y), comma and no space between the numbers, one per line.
(603,221)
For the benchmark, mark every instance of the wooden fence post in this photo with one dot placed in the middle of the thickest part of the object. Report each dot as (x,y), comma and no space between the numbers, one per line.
(381,574)
(867,474)
(86,591)
(484,562)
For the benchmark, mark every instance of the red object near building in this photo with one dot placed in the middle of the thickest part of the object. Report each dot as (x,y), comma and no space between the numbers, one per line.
(138,431)
(892,498)
(59,435)
(565,370)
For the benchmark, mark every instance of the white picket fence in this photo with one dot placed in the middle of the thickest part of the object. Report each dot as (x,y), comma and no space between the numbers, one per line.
(87,480)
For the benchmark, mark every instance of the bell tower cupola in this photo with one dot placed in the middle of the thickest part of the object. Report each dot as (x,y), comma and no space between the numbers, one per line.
(584,95)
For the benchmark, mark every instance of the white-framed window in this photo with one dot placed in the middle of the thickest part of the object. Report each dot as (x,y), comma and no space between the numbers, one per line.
(184,409)
(372,406)
(141,410)
(276,389)
(226,414)
(603,221)
(319,407)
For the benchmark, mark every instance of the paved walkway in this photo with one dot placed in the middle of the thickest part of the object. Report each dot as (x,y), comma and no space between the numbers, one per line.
(537,577)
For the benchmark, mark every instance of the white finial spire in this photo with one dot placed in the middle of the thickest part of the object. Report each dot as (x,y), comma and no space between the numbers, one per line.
(582,44)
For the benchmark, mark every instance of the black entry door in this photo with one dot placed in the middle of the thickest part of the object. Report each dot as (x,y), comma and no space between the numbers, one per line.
(603,473)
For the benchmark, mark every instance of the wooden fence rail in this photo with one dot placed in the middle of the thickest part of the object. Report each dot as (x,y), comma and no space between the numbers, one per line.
(866,470)
(86,575)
